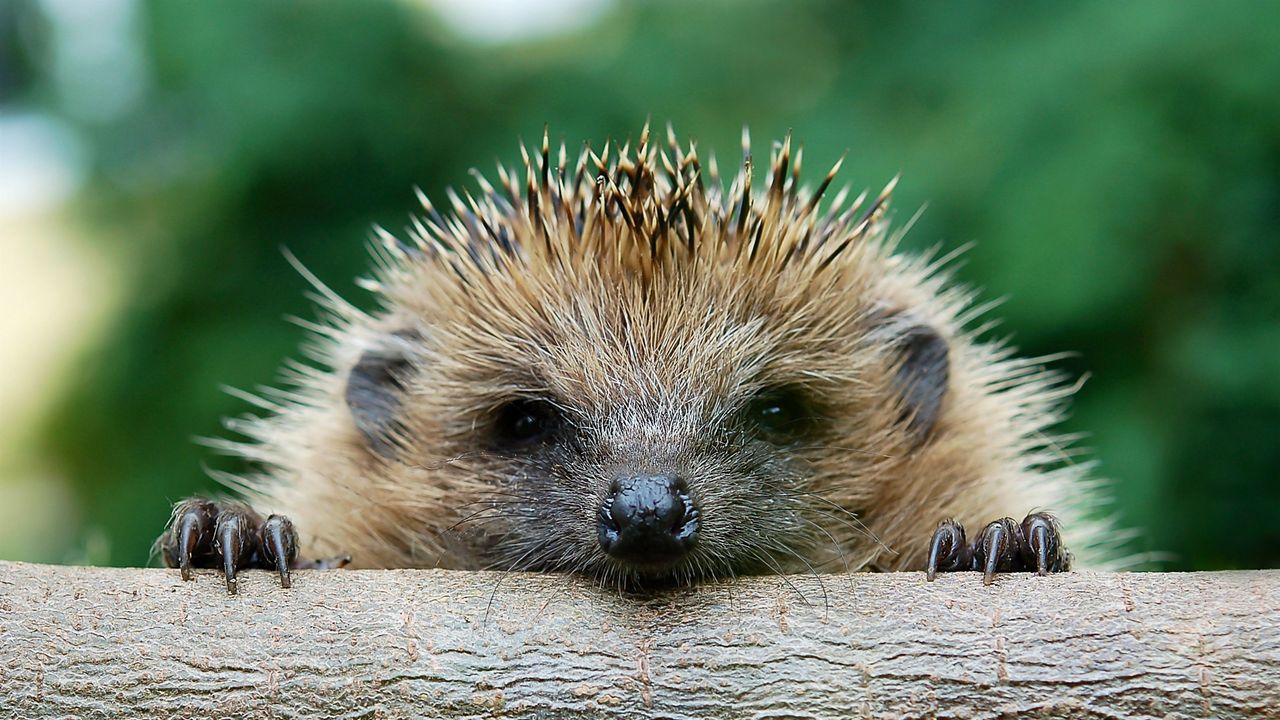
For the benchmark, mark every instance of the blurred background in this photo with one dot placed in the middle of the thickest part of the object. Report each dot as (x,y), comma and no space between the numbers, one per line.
(1117,166)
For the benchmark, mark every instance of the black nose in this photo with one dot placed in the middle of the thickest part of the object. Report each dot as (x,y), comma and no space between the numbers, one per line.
(648,519)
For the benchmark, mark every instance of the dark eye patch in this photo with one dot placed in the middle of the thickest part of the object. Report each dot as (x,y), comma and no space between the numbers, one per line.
(525,422)
(780,415)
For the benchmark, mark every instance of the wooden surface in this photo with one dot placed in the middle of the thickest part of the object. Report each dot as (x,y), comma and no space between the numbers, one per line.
(107,643)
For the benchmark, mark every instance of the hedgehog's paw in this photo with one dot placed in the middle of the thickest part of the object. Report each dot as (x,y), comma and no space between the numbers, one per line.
(210,533)
(1002,546)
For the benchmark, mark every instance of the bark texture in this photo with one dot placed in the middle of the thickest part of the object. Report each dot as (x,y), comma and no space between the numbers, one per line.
(107,643)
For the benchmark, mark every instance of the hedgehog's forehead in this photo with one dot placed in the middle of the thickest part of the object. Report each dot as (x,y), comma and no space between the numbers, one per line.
(695,336)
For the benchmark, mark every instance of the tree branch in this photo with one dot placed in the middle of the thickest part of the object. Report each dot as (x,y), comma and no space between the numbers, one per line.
(100,642)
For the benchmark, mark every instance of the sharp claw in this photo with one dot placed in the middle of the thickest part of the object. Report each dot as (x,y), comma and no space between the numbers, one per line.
(994,538)
(1039,541)
(282,567)
(229,568)
(947,549)
(278,545)
(935,552)
(231,546)
(188,537)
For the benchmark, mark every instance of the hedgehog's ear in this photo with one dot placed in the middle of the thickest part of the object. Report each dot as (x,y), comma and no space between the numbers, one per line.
(923,367)
(375,389)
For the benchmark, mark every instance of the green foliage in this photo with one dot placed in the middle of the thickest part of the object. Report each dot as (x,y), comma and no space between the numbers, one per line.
(1117,165)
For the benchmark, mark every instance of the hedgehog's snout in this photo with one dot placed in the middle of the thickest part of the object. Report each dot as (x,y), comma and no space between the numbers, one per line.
(648,520)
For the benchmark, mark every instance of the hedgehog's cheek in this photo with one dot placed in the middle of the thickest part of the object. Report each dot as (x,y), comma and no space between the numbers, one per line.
(648,521)
(375,390)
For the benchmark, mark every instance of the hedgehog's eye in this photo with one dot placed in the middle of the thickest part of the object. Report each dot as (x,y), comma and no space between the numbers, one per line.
(780,414)
(526,421)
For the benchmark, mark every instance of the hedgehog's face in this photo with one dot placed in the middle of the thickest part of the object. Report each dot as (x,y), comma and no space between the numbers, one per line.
(652,488)
(647,492)
(645,433)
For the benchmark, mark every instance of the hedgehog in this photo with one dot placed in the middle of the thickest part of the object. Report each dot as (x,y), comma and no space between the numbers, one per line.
(624,369)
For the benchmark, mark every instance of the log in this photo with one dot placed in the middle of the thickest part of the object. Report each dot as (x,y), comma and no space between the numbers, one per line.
(108,643)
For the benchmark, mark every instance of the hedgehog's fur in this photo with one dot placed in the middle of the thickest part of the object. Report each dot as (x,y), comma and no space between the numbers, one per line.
(650,302)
